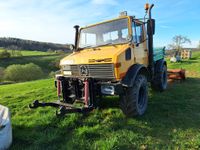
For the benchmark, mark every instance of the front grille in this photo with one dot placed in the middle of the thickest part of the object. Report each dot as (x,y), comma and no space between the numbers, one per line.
(93,70)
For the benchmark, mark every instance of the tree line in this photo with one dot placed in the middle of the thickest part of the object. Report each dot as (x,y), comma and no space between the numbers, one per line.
(21,44)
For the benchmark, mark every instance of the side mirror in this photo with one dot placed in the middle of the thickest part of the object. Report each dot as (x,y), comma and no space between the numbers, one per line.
(129,38)
(71,47)
(151,26)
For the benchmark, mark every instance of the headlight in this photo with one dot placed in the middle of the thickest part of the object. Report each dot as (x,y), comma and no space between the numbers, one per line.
(66,67)
(107,89)
(67,72)
(67,62)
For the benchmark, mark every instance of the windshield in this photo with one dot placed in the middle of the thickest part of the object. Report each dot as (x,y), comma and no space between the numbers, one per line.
(113,32)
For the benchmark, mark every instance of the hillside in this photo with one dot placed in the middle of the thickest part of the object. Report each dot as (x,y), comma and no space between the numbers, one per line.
(16,43)
(48,61)
(171,121)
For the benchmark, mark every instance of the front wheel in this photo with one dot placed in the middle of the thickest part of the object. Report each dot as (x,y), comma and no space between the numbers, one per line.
(134,100)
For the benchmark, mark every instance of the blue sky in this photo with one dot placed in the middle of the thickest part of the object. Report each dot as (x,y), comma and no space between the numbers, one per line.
(53,20)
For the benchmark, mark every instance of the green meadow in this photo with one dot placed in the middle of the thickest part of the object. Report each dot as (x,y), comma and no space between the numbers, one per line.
(172,120)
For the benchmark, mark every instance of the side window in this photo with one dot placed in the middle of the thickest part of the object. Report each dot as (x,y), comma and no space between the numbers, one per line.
(137,32)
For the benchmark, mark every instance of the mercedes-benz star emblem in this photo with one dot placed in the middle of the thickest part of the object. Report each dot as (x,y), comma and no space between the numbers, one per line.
(84,70)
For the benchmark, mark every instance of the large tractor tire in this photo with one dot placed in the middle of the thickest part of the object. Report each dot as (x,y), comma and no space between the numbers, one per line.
(134,100)
(160,81)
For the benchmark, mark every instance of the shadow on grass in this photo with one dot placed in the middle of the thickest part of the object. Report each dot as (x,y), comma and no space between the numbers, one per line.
(190,61)
(186,62)
(169,114)
(109,102)
(44,136)
(172,116)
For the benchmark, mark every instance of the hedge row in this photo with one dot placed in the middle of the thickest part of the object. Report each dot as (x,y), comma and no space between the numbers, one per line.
(19,73)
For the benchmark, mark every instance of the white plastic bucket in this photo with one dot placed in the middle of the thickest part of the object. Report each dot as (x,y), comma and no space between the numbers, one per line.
(5,128)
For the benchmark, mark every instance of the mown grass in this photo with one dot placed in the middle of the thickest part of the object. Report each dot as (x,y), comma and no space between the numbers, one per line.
(171,122)
(192,65)
(29,53)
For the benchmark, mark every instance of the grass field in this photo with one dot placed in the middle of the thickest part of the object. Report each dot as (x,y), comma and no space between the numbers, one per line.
(30,53)
(45,60)
(172,120)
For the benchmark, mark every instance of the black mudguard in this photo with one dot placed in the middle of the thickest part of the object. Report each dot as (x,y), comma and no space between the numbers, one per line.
(131,74)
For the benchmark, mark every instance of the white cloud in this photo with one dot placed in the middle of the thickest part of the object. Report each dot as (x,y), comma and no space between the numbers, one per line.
(53,20)
(194,44)
(50,21)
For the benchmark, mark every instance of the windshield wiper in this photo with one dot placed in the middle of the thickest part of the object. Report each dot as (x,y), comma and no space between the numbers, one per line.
(89,46)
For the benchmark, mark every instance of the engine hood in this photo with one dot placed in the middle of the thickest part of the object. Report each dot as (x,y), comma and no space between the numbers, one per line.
(104,54)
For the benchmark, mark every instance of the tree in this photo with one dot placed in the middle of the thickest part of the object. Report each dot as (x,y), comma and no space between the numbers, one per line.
(1,73)
(25,72)
(178,41)
(5,54)
(198,45)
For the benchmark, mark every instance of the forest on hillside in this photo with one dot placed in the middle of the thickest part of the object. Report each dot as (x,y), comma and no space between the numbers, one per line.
(21,44)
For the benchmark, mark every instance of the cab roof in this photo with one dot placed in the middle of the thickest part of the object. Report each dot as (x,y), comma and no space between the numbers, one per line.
(121,17)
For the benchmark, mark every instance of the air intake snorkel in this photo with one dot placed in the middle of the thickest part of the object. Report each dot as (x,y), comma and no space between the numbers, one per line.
(76,36)
(150,33)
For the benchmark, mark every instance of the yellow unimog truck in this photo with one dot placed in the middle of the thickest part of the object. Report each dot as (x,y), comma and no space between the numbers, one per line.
(114,57)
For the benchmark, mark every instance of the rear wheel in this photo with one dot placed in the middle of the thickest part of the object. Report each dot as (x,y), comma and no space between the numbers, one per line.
(134,100)
(160,81)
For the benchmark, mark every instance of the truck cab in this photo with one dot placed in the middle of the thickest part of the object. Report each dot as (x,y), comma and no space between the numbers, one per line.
(108,49)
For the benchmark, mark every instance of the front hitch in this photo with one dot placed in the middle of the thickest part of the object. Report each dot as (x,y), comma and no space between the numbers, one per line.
(64,108)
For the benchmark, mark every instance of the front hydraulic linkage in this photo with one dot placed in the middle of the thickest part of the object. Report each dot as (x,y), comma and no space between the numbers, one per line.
(65,107)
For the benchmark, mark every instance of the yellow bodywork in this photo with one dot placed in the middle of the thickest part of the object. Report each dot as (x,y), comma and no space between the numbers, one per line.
(110,54)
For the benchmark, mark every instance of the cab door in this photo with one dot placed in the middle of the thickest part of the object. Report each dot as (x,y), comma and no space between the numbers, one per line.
(139,43)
